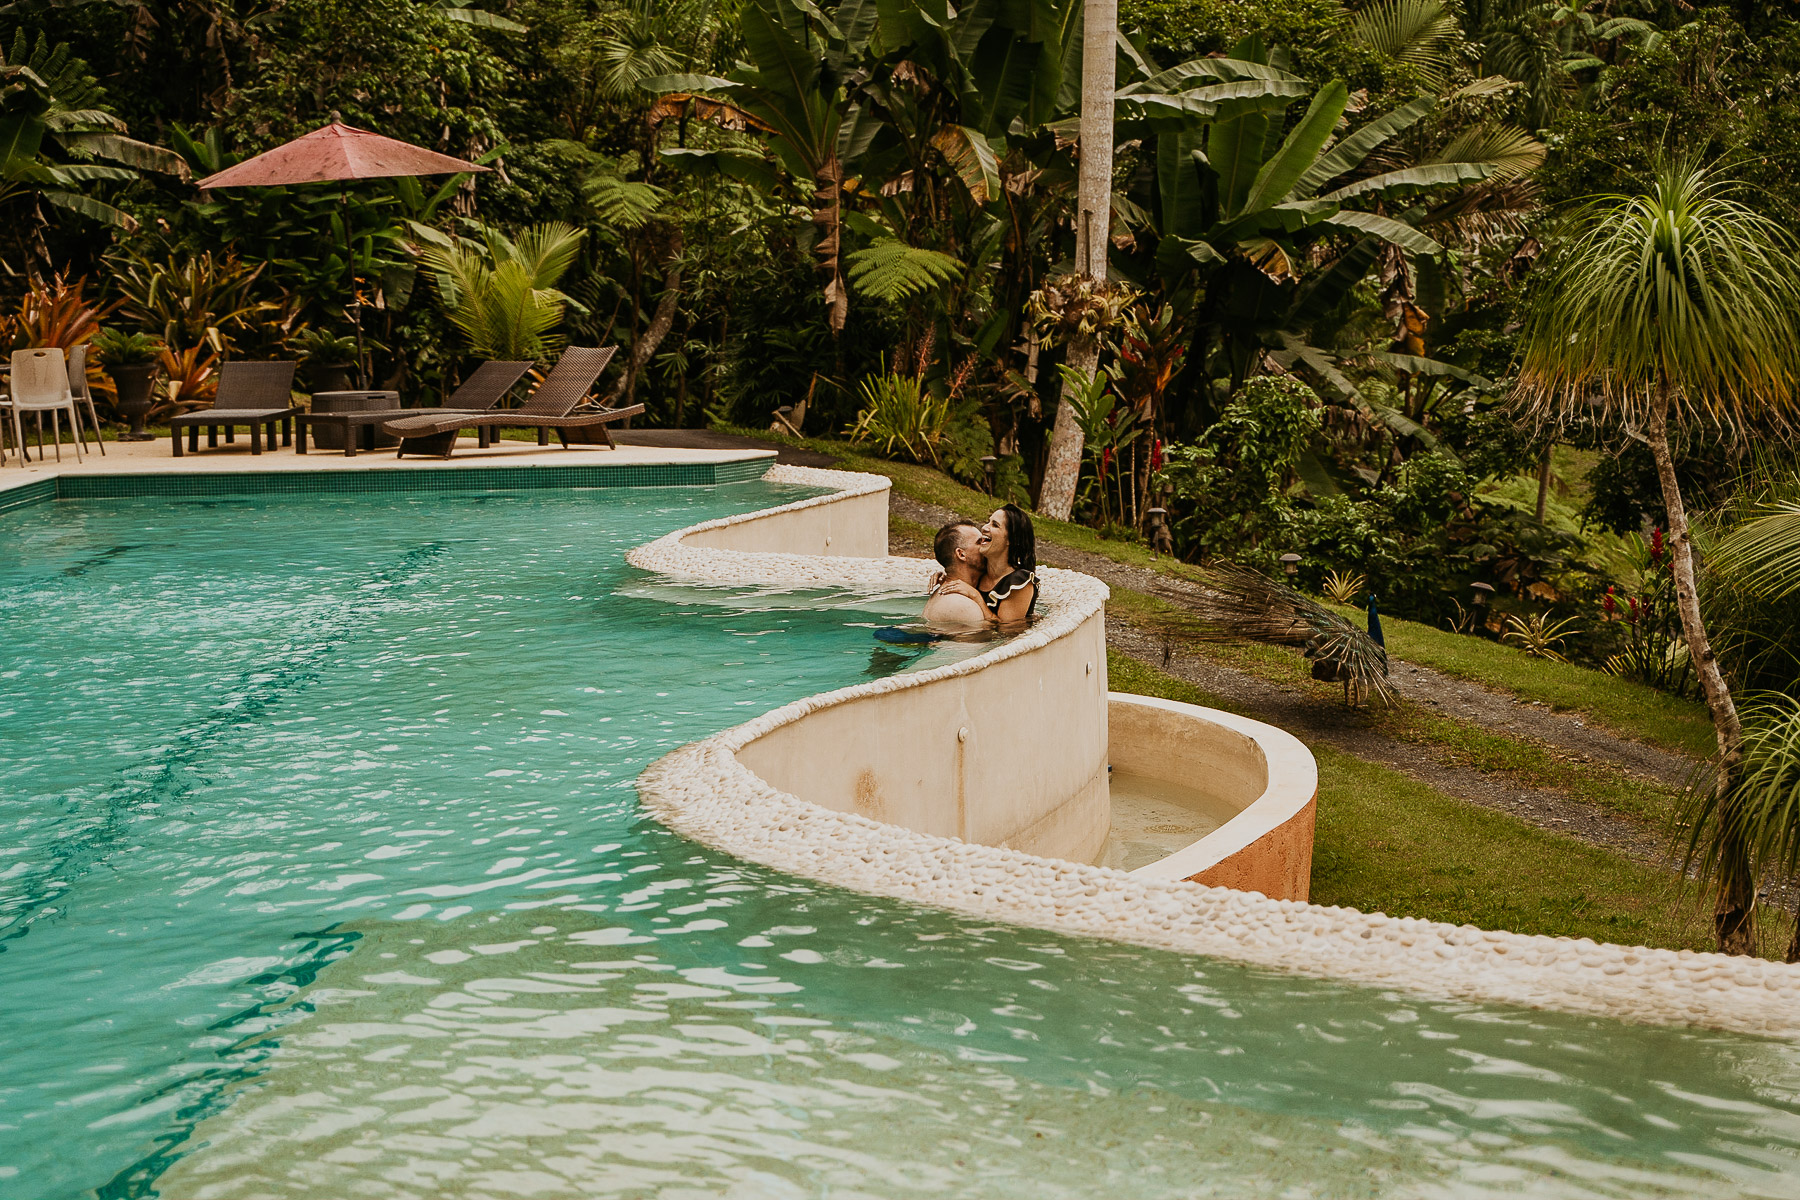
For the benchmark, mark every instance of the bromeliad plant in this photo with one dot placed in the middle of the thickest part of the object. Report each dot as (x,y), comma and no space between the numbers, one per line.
(1344,587)
(194,300)
(1538,636)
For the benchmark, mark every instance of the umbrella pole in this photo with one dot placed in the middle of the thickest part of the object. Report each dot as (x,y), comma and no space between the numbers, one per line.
(362,358)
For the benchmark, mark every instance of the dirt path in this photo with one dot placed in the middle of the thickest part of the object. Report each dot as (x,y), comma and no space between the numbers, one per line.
(1346,730)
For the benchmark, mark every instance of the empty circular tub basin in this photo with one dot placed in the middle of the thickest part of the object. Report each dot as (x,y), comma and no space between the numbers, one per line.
(1241,790)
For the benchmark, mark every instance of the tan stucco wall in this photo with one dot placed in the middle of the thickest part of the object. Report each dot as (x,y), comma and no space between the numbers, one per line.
(1012,755)
(853,525)
(1263,772)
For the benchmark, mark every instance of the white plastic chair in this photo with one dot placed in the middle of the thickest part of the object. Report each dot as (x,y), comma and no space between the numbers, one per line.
(40,384)
(78,388)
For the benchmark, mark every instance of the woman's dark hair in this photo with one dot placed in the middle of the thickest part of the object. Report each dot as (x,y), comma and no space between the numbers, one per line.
(1021,542)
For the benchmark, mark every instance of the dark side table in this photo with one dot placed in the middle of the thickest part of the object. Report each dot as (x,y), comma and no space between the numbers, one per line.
(341,419)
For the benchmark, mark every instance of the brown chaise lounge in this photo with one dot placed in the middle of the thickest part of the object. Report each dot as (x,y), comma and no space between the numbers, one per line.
(550,407)
(256,394)
(478,393)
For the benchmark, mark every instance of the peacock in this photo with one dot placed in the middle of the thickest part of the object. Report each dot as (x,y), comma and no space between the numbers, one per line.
(1245,604)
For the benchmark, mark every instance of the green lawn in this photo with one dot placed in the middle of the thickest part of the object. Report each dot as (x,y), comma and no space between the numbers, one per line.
(1632,709)
(1386,842)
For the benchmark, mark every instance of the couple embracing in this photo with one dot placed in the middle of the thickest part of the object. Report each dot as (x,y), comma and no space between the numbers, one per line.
(989,574)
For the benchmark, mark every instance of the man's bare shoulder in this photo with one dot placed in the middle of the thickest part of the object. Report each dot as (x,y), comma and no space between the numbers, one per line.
(949,608)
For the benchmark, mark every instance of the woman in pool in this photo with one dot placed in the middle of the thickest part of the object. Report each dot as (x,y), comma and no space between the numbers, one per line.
(1008,588)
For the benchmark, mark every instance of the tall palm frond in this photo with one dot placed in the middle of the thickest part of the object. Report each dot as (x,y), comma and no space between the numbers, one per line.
(1481,214)
(1510,151)
(1415,32)
(651,38)
(1761,821)
(502,294)
(547,251)
(1242,604)
(1765,553)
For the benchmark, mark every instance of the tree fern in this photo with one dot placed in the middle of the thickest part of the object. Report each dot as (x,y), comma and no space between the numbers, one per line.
(623,203)
(891,270)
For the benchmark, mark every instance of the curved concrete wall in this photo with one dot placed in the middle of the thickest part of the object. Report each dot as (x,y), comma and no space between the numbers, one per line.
(1006,749)
(706,792)
(849,524)
(1013,756)
(1263,772)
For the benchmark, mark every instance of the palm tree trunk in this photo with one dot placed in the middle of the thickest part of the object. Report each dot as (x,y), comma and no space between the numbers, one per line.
(1543,503)
(1732,916)
(644,347)
(1093,224)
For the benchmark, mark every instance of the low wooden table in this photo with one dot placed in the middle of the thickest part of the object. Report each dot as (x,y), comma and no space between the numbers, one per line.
(347,418)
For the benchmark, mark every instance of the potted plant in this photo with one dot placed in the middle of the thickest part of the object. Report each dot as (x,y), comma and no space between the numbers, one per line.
(130,360)
(330,359)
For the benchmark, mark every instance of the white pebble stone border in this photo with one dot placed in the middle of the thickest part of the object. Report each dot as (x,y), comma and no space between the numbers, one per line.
(703,792)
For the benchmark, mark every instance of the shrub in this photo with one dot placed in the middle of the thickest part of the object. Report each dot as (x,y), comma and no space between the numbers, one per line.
(116,348)
(900,418)
(1232,489)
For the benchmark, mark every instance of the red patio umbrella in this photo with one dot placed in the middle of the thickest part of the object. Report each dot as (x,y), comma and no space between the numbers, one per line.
(338,153)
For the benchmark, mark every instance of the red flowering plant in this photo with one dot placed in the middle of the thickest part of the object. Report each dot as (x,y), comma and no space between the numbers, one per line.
(1654,651)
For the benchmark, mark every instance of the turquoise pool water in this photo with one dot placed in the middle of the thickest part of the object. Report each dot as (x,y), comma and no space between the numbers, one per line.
(322,875)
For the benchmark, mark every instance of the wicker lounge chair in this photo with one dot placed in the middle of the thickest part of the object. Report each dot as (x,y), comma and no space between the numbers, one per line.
(478,393)
(257,394)
(551,406)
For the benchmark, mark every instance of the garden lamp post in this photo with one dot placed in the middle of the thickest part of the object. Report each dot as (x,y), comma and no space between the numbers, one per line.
(988,464)
(1478,603)
(1290,563)
(1162,538)
(339,153)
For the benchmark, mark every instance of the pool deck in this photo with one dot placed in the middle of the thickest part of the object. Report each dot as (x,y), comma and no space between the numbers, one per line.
(155,458)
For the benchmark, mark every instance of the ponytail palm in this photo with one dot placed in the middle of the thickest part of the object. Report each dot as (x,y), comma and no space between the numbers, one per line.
(1676,305)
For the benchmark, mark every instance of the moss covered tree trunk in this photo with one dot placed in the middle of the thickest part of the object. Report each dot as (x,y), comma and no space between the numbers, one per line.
(1093,224)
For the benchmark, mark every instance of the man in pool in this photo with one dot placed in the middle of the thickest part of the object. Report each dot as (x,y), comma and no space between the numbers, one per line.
(957,550)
